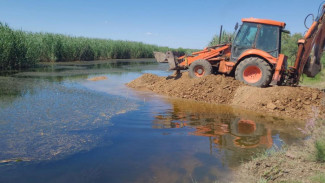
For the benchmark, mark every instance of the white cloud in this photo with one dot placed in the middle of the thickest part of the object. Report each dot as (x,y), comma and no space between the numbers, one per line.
(149,33)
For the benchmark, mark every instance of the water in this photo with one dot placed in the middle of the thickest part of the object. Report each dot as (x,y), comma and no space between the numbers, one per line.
(57,126)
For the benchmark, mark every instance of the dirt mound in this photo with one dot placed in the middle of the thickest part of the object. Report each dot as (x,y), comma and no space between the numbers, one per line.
(216,89)
(296,102)
(99,78)
(291,101)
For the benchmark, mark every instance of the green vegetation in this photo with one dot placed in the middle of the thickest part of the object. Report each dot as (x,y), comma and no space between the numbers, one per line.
(289,46)
(262,180)
(320,178)
(20,49)
(312,81)
(320,150)
(225,38)
(291,181)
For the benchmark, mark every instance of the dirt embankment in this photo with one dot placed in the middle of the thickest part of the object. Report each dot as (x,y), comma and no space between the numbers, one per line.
(295,102)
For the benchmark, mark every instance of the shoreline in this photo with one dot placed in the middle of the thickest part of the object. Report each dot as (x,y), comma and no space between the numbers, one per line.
(279,101)
(302,162)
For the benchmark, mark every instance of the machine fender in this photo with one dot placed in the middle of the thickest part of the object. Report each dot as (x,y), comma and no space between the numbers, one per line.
(259,53)
(280,68)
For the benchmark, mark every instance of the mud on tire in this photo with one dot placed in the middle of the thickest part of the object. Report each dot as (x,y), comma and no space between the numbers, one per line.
(254,71)
(200,68)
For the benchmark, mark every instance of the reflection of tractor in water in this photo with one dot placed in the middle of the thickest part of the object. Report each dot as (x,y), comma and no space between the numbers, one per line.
(238,133)
(232,136)
(230,133)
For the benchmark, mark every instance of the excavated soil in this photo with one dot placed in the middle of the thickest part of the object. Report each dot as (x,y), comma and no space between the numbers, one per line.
(284,101)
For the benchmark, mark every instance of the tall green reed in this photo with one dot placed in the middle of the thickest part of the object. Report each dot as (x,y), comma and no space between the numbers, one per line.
(21,49)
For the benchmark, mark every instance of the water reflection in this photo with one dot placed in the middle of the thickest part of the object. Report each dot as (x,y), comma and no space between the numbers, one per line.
(58,72)
(233,134)
(14,84)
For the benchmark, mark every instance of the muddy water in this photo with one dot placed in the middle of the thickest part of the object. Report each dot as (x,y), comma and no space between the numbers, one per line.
(58,126)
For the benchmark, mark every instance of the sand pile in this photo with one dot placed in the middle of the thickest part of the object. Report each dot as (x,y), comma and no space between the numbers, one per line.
(296,102)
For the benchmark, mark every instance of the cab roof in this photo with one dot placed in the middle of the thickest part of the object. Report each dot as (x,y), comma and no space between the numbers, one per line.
(264,21)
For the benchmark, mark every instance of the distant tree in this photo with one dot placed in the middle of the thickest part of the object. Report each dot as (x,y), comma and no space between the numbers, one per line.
(225,38)
(289,46)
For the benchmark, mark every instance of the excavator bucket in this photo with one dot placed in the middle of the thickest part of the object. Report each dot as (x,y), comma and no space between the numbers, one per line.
(313,65)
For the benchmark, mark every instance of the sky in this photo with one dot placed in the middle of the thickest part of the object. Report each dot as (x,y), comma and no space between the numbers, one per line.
(172,23)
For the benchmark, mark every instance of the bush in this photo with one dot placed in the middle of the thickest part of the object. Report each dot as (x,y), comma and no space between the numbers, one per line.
(225,38)
(320,148)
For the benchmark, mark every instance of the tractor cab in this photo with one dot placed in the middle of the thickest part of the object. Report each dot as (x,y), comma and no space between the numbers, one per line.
(258,34)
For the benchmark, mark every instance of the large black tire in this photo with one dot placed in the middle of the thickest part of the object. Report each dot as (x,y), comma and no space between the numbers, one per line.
(254,71)
(200,68)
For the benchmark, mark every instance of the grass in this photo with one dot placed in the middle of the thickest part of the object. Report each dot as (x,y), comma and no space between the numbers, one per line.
(262,180)
(319,178)
(320,149)
(317,79)
(291,181)
(21,49)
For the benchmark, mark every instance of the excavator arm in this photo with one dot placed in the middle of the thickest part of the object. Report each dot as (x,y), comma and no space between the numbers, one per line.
(310,49)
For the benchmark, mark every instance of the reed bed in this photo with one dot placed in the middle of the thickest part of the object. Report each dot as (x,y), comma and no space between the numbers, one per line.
(21,49)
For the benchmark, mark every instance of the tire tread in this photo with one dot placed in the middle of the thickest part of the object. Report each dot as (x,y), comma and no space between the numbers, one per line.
(265,66)
(207,66)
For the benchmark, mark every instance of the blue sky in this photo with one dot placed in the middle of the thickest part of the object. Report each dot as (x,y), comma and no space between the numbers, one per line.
(173,23)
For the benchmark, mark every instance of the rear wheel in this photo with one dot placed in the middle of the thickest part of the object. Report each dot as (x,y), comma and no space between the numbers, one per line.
(200,68)
(254,71)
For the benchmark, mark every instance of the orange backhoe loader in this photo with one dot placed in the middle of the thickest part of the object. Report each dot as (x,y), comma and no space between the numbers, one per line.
(254,57)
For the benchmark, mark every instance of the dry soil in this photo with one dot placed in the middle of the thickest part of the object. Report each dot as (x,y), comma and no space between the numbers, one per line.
(296,102)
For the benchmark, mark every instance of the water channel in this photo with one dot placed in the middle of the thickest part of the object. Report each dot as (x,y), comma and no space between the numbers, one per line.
(58,126)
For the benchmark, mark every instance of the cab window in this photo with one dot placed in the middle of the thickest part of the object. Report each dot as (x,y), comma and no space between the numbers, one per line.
(245,39)
(246,36)
(268,39)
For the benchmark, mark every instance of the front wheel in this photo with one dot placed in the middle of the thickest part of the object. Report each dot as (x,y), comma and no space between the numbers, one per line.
(200,68)
(254,71)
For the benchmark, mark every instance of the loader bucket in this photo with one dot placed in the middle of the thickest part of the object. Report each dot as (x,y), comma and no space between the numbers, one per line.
(160,57)
(172,60)
(168,57)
